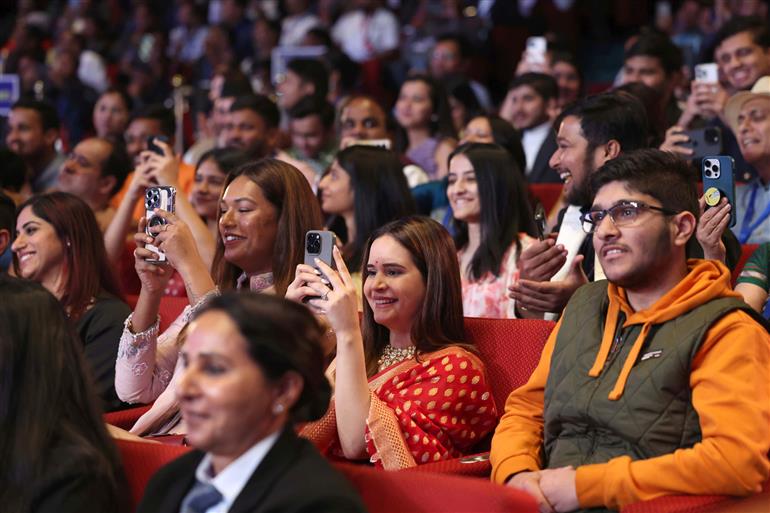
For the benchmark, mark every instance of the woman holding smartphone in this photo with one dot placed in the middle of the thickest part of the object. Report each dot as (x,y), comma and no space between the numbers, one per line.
(408,390)
(492,220)
(265,210)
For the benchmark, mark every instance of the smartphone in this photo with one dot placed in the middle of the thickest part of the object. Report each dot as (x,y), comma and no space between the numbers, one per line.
(163,198)
(319,244)
(536,48)
(704,141)
(153,147)
(707,73)
(719,182)
(540,221)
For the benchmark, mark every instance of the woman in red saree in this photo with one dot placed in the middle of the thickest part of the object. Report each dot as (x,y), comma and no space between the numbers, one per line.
(407,389)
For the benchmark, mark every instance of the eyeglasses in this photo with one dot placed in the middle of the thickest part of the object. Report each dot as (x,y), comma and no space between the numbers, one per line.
(624,213)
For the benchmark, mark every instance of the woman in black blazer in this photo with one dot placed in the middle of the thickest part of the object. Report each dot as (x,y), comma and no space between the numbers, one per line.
(55,451)
(252,366)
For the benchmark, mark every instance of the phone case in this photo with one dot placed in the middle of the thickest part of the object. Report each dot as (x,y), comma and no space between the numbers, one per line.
(719,182)
(319,244)
(704,142)
(707,73)
(163,198)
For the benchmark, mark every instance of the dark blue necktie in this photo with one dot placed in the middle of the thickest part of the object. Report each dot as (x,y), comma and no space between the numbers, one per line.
(200,498)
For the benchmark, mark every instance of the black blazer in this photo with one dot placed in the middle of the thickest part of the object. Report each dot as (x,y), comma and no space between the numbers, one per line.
(293,477)
(541,171)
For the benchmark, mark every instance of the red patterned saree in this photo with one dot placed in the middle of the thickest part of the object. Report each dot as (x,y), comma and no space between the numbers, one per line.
(421,411)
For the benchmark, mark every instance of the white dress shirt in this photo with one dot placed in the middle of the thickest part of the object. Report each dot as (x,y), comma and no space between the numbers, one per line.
(532,140)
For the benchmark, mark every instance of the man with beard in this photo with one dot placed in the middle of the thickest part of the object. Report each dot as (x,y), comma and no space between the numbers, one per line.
(653,378)
(252,125)
(590,132)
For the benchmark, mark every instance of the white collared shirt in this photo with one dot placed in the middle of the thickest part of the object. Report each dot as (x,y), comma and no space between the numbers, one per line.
(233,478)
(532,140)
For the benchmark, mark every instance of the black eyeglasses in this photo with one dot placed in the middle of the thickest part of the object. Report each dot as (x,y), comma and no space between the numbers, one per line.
(624,213)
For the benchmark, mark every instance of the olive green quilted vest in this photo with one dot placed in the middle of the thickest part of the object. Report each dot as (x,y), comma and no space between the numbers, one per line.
(654,416)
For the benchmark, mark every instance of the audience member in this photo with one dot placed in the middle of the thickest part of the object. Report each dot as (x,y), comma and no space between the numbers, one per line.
(241,418)
(748,113)
(396,380)
(492,223)
(298,21)
(530,100)
(186,40)
(303,77)
(367,31)
(111,114)
(451,56)
(585,431)
(94,171)
(493,129)
(33,128)
(210,175)
(252,125)
(58,244)
(753,283)
(463,104)
(590,132)
(311,125)
(265,211)
(364,189)
(656,61)
(569,78)
(427,135)
(57,455)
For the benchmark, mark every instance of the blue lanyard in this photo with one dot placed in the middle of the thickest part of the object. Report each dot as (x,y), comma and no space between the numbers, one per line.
(747,226)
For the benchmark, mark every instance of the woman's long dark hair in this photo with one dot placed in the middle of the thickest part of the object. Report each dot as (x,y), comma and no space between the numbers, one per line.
(380,194)
(46,397)
(86,269)
(505,210)
(440,320)
(284,186)
(440,124)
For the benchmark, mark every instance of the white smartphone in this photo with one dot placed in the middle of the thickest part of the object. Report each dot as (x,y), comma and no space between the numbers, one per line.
(707,73)
(536,48)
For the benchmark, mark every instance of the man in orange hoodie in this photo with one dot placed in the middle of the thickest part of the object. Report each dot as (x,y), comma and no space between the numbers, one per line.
(655,381)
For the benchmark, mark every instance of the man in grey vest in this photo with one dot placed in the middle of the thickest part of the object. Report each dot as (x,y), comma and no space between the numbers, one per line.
(655,381)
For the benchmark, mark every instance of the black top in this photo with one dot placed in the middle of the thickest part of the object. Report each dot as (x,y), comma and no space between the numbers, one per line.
(100,328)
(293,477)
(75,481)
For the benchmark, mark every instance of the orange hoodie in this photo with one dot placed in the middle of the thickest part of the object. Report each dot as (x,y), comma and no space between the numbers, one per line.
(730,383)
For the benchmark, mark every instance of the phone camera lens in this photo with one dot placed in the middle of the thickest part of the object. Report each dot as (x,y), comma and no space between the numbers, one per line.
(313,243)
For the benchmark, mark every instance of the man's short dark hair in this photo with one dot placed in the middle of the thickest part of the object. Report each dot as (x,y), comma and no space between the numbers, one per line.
(613,115)
(544,85)
(235,84)
(7,213)
(159,113)
(757,26)
(313,71)
(659,46)
(262,105)
(463,46)
(313,105)
(117,164)
(49,118)
(14,171)
(659,174)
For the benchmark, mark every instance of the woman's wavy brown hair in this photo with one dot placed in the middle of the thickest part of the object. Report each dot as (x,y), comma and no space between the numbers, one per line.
(297,209)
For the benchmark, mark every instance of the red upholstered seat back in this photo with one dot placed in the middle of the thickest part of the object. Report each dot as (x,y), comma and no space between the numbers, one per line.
(547,193)
(418,492)
(510,348)
(142,460)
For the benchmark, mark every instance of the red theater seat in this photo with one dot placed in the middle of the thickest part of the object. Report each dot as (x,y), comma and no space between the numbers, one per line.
(385,492)
(142,460)
(547,193)
(125,419)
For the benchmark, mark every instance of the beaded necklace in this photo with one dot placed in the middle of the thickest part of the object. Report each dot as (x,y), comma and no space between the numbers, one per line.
(393,355)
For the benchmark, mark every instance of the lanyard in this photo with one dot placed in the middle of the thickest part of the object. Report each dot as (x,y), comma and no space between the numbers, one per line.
(747,226)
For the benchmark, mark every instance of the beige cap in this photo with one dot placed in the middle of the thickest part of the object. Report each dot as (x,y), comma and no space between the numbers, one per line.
(735,103)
